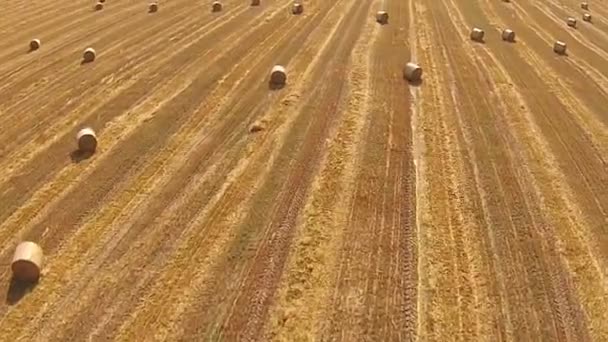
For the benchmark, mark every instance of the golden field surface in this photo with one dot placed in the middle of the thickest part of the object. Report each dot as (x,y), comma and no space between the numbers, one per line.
(472,206)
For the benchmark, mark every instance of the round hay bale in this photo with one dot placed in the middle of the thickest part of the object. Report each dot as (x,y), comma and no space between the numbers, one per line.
(297,8)
(34,44)
(508,35)
(27,262)
(87,140)
(559,47)
(255,2)
(571,22)
(216,6)
(412,72)
(382,17)
(278,76)
(257,126)
(585,6)
(89,55)
(153,7)
(587,17)
(99,6)
(477,34)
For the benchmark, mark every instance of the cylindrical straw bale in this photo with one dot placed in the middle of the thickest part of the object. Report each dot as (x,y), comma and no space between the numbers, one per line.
(99,6)
(27,262)
(153,7)
(87,140)
(255,2)
(89,55)
(382,17)
(297,8)
(587,17)
(412,72)
(585,6)
(34,44)
(477,34)
(278,75)
(571,22)
(216,6)
(508,35)
(559,47)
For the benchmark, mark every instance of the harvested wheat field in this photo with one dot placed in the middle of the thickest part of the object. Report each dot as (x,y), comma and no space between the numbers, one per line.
(178,192)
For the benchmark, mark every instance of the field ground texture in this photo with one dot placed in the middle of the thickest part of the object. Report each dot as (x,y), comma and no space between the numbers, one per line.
(470,207)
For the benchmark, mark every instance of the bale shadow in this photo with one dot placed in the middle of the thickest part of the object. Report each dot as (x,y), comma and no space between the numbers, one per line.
(18,289)
(84,61)
(78,155)
(275,86)
(416,83)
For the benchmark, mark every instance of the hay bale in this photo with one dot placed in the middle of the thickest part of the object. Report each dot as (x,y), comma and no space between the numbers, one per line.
(297,8)
(559,47)
(99,6)
(508,35)
(587,17)
(278,76)
(571,22)
(585,6)
(412,72)
(477,34)
(89,55)
(87,140)
(27,262)
(257,126)
(34,44)
(382,17)
(216,6)
(153,7)
(255,2)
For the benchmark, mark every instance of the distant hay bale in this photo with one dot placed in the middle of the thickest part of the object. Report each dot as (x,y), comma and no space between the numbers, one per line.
(153,7)
(559,47)
(412,72)
(27,262)
(34,44)
(255,2)
(87,140)
(278,76)
(585,6)
(257,126)
(297,8)
(216,6)
(508,35)
(382,17)
(99,6)
(89,55)
(477,34)
(587,17)
(571,22)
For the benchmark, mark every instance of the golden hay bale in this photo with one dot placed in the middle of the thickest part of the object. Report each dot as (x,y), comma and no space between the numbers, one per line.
(559,47)
(257,126)
(34,44)
(297,8)
(587,17)
(477,34)
(99,6)
(87,140)
(153,7)
(508,35)
(412,72)
(255,2)
(216,6)
(278,75)
(585,6)
(382,17)
(27,262)
(571,22)
(89,55)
